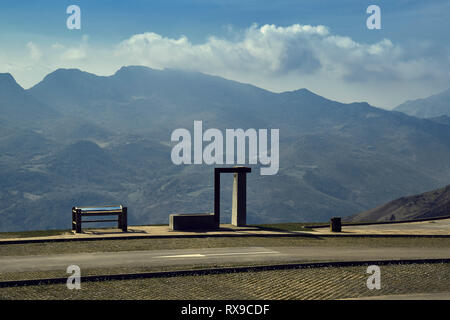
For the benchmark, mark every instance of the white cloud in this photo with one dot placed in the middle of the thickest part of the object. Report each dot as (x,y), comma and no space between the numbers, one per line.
(275,50)
(35,53)
(264,50)
(75,53)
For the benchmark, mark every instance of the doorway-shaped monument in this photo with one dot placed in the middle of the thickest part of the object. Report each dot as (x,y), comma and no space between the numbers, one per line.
(239,202)
(208,221)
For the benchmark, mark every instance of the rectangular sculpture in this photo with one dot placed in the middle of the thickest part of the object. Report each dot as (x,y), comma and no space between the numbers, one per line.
(209,221)
(239,204)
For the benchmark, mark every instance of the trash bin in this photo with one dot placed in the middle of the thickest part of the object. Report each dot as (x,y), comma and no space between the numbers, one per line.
(335,224)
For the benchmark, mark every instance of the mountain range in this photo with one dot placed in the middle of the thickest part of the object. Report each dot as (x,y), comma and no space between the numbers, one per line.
(76,138)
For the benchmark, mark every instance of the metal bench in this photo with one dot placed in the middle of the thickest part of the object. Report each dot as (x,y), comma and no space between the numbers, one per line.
(79,212)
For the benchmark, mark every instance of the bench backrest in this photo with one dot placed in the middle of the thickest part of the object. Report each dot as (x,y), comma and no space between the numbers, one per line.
(102,209)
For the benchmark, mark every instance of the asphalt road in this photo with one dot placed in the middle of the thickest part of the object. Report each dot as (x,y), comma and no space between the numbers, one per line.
(243,255)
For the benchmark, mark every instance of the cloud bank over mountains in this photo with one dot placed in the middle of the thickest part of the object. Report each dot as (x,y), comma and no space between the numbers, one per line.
(277,51)
(274,57)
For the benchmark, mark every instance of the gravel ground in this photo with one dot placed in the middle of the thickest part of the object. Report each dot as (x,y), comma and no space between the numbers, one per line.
(310,283)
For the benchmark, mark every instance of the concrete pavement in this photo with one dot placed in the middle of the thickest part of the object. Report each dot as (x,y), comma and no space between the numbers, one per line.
(425,228)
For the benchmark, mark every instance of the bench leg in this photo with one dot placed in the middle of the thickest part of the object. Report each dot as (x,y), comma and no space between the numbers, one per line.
(124,218)
(120,220)
(78,221)
(73,219)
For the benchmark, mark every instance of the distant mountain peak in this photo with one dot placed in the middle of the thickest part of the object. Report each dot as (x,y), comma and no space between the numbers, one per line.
(67,75)
(9,88)
(71,72)
(133,68)
(18,105)
(435,203)
(8,83)
(306,95)
(68,86)
(302,91)
(6,77)
(433,106)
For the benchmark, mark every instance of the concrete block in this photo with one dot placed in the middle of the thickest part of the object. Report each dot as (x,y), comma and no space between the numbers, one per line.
(192,221)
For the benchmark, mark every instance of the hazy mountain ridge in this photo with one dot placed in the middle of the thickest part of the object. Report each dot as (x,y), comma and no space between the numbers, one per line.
(109,142)
(430,204)
(433,106)
(18,106)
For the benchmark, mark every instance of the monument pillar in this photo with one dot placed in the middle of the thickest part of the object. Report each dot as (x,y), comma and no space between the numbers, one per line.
(217,197)
(239,205)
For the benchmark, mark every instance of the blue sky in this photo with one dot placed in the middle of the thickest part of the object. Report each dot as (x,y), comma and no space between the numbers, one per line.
(324,46)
